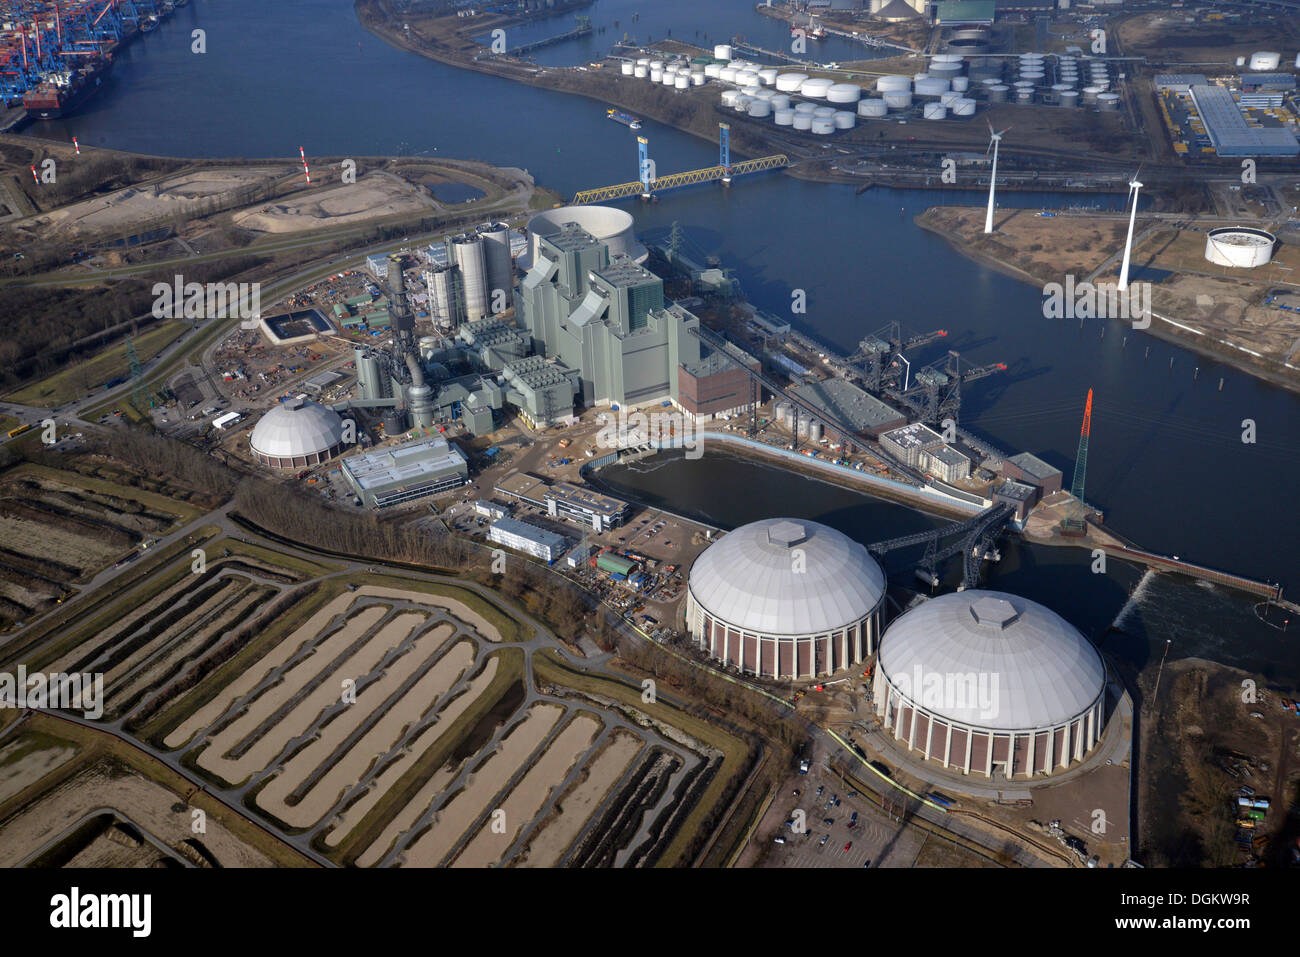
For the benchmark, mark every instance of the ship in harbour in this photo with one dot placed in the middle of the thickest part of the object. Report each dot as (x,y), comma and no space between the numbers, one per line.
(627,119)
(58,94)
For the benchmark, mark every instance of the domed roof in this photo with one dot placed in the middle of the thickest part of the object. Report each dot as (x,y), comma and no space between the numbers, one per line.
(1037,669)
(297,427)
(786,576)
(610,225)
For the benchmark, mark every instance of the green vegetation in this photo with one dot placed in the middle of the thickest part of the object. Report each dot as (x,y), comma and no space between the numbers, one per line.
(81,378)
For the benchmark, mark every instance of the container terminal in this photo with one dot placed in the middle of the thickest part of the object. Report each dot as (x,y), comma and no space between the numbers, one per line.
(55,54)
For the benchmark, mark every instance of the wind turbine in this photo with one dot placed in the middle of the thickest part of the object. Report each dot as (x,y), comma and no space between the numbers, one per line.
(994,140)
(1133,187)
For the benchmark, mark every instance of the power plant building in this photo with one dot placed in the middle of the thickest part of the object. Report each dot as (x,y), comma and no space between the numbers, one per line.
(717,384)
(406,472)
(907,443)
(605,318)
(785,598)
(992,684)
(1031,470)
(859,410)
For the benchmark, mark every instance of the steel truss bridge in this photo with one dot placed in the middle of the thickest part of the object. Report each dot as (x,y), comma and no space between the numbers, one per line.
(674,180)
(972,538)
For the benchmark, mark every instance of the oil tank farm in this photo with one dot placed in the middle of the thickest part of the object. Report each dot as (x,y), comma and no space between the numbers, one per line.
(785,598)
(992,684)
(297,433)
(1241,247)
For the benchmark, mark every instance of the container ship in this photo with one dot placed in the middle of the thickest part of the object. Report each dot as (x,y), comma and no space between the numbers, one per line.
(627,119)
(61,93)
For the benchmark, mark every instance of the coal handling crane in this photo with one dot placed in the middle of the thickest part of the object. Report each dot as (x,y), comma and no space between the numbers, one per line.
(934,393)
(872,359)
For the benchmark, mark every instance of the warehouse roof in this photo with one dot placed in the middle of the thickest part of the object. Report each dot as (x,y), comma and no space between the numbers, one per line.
(413,461)
(1229,131)
(845,401)
(1033,466)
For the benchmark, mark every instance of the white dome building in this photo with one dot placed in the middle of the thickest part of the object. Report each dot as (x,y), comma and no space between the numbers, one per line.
(987,682)
(296,434)
(785,598)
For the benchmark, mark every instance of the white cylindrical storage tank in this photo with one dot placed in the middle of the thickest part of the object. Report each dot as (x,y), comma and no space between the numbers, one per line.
(780,101)
(1297,61)
(751,91)
(790,82)
(682,82)
(805,107)
(747,78)
(468,251)
(1060,87)
(668,79)
(817,88)
(898,99)
(722,51)
(742,103)
(760,108)
(918,77)
(961,83)
(963,106)
(823,112)
(945,70)
(1265,61)
(873,108)
(728,74)
(762,94)
(823,125)
(815,429)
(657,65)
(844,120)
(1034,76)
(1070,98)
(627,67)
(767,75)
(990,81)
(1108,101)
(729,97)
(931,86)
(656,76)
(643,61)
(844,93)
(998,93)
(783,117)
(949,98)
(713,70)
(802,121)
(640,72)
(697,79)
(1240,247)
(893,84)
(1090,94)
(935,111)
(1025,95)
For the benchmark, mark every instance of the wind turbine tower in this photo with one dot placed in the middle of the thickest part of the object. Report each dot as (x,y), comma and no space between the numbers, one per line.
(1133,187)
(994,140)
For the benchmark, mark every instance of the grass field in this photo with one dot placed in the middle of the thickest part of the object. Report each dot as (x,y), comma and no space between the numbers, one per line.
(85,377)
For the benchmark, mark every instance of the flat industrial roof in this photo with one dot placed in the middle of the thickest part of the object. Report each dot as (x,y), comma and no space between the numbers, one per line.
(848,403)
(403,464)
(1229,131)
(916,435)
(1033,465)
(532,533)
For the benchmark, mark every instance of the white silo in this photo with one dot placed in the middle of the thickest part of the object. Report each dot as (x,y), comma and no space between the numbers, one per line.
(626,67)
(814,431)
(783,117)
(729,97)
(949,98)
(817,88)
(805,107)
(844,120)
(823,125)
(894,84)
(713,70)
(656,76)
(728,74)
(963,106)
(961,83)
(682,82)
(496,255)
(760,108)
(640,72)
(780,101)
(722,51)
(935,111)
(873,108)
(768,75)
(803,121)
(790,82)
(823,112)
(844,93)
(747,78)
(470,263)
(898,99)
